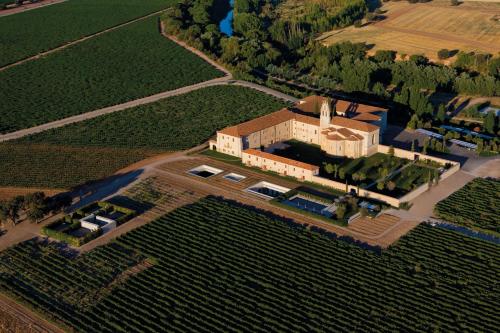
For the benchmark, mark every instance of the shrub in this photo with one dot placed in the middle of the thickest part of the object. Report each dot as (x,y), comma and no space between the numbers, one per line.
(443,54)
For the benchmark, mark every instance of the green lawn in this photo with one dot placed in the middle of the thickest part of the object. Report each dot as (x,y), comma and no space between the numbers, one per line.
(31,32)
(70,155)
(217,266)
(119,66)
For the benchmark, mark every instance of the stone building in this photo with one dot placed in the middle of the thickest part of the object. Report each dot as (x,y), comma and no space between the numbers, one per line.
(337,126)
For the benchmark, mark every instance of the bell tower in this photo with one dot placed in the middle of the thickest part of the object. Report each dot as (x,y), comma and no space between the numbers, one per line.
(326,114)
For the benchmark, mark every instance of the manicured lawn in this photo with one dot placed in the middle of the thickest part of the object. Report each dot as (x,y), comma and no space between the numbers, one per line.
(217,266)
(29,33)
(476,205)
(129,63)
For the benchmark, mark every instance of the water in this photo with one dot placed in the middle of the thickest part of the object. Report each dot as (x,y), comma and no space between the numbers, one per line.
(226,25)
(467,231)
(307,205)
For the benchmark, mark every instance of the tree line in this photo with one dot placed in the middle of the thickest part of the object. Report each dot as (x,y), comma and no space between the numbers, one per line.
(286,48)
(35,206)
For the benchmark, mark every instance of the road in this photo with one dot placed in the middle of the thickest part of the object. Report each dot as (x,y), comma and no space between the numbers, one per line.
(225,80)
(28,6)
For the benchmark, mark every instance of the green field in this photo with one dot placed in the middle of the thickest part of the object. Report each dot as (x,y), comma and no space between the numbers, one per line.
(29,33)
(220,267)
(119,66)
(53,166)
(476,205)
(96,148)
(173,123)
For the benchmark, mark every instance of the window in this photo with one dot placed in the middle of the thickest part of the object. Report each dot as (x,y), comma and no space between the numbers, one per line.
(315,131)
(233,139)
(373,139)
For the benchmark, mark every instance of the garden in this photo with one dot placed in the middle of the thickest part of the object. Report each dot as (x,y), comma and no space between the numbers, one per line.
(252,271)
(382,173)
(65,22)
(123,65)
(476,206)
(69,229)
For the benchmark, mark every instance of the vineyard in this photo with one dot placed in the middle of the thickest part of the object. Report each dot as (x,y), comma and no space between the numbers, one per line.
(171,124)
(21,35)
(125,64)
(48,166)
(476,205)
(222,267)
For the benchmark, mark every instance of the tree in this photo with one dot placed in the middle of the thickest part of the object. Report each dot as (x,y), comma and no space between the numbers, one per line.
(385,56)
(342,173)
(380,186)
(443,54)
(489,123)
(441,114)
(391,185)
(412,145)
(426,145)
(340,211)
(329,168)
(35,206)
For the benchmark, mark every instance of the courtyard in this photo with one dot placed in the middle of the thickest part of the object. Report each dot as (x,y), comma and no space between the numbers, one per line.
(381,173)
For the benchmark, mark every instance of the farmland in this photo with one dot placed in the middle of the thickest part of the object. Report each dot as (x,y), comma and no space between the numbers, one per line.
(427,28)
(96,148)
(217,266)
(474,206)
(21,33)
(51,166)
(102,71)
(174,123)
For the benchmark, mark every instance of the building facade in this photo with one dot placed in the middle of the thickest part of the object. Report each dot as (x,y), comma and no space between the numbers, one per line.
(337,133)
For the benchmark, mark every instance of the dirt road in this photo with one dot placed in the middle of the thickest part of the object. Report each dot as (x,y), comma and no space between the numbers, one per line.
(28,6)
(32,320)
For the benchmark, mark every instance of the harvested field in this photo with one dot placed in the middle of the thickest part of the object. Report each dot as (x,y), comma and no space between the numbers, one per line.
(427,28)
(374,226)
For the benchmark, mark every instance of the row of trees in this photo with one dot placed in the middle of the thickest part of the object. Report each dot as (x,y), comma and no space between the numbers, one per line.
(265,42)
(34,206)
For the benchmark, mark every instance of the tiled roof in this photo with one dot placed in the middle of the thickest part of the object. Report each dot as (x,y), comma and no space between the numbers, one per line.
(259,124)
(337,134)
(353,124)
(306,119)
(366,117)
(280,159)
(310,104)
